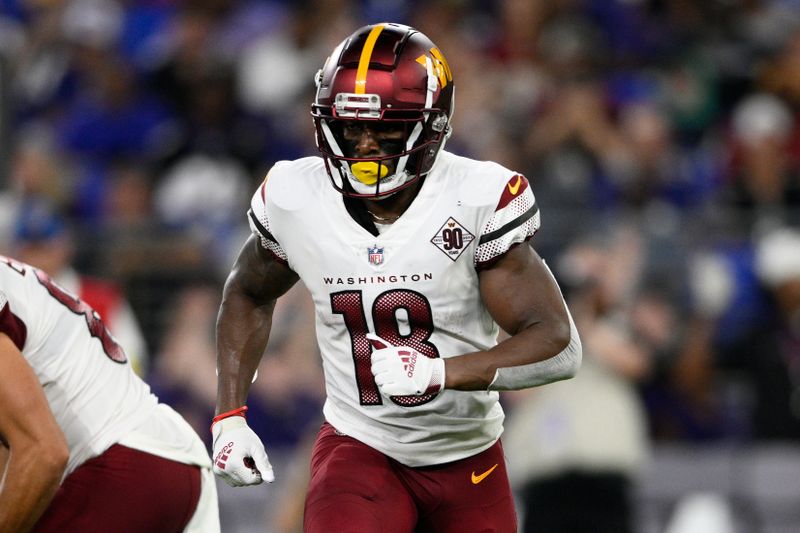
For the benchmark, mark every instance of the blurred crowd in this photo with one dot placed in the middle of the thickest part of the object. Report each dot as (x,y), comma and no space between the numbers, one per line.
(661,138)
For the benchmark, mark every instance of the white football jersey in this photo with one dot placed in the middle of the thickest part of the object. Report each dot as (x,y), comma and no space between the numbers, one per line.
(416,284)
(96,398)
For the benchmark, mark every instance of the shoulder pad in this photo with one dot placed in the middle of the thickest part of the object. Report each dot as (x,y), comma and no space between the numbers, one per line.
(290,183)
(483,182)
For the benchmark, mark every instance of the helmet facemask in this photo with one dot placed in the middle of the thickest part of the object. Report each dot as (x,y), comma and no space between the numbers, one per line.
(409,141)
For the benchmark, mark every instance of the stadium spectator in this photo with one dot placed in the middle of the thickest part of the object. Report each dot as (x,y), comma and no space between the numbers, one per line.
(766,357)
(42,239)
(764,182)
(576,447)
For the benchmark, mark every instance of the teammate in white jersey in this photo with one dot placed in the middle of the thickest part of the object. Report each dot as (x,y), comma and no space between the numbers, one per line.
(414,259)
(89,447)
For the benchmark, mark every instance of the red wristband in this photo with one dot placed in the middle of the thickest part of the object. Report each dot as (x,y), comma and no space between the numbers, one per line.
(239,411)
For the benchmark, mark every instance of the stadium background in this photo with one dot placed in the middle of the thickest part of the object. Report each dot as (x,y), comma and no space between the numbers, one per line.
(660,137)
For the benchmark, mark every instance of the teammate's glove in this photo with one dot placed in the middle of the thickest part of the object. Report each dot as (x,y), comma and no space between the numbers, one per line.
(403,371)
(239,456)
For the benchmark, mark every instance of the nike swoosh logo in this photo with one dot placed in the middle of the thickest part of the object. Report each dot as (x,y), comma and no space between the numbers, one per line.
(514,188)
(478,479)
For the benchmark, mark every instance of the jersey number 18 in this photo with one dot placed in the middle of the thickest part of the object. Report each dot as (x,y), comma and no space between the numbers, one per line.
(385,308)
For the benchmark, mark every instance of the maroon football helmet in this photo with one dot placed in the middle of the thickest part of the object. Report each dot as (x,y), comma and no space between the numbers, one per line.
(384,76)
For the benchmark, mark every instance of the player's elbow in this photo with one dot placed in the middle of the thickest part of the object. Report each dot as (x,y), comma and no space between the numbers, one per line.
(567,349)
(563,364)
(572,356)
(57,459)
(560,335)
(52,457)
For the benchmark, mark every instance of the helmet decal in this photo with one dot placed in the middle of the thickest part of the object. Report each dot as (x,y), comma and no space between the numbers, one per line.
(443,72)
(363,62)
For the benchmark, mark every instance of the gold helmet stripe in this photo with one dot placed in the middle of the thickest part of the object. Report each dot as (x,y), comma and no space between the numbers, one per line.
(366,55)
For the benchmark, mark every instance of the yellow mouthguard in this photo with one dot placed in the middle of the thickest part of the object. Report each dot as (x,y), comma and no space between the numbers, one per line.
(367,172)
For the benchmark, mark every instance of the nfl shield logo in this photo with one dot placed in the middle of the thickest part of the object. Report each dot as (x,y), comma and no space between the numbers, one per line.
(375,255)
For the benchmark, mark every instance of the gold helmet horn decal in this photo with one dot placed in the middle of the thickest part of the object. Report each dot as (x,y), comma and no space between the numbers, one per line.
(440,66)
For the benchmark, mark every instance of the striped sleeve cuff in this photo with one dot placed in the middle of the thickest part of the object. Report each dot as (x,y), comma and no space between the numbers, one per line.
(260,227)
(511,224)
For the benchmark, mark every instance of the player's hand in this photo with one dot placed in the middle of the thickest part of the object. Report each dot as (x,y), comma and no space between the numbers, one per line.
(239,456)
(403,371)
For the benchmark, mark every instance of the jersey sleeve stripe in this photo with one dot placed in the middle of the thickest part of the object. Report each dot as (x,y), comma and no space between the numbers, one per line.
(499,232)
(11,324)
(268,241)
(260,227)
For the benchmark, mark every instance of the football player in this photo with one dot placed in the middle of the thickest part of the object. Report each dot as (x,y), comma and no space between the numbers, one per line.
(89,447)
(414,257)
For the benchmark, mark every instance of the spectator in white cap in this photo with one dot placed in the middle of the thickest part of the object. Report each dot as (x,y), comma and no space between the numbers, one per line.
(764,186)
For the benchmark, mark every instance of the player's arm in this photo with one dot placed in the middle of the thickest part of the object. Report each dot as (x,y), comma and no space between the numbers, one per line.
(522,296)
(38,451)
(245,317)
(3,459)
(253,287)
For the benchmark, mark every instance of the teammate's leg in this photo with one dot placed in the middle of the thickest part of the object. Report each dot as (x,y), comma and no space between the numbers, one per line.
(125,491)
(472,494)
(354,489)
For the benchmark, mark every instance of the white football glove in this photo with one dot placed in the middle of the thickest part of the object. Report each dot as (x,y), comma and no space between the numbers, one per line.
(403,371)
(239,456)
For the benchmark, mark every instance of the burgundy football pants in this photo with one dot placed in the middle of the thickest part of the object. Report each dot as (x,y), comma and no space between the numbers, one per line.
(355,488)
(124,491)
